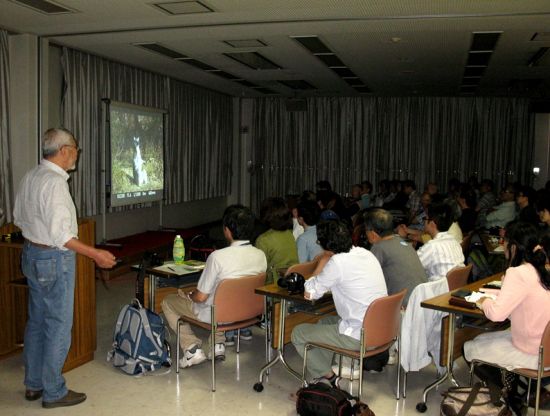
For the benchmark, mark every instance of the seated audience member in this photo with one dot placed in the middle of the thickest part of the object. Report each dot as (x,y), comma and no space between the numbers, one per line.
(383,196)
(467,202)
(277,243)
(443,252)
(523,299)
(239,259)
(413,204)
(543,207)
(400,264)
(418,221)
(355,278)
(353,203)
(308,217)
(292,203)
(397,198)
(487,201)
(526,197)
(331,201)
(504,212)
(365,194)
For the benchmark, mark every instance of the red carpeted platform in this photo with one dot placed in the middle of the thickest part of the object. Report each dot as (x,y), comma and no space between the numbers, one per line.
(133,247)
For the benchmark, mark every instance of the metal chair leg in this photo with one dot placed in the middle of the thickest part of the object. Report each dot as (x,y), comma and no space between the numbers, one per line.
(238,340)
(398,352)
(405,384)
(178,325)
(213,345)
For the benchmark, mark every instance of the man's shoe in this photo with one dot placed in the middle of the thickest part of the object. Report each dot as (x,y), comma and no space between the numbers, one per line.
(71,398)
(192,356)
(230,340)
(246,334)
(33,394)
(219,352)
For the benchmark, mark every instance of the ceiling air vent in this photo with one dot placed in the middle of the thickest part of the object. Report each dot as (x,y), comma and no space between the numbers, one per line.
(253,60)
(43,6)
(162,50)
(183,7)
(246,43)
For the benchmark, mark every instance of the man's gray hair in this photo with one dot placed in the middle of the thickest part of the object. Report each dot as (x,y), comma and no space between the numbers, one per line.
(54,139)
(380,221)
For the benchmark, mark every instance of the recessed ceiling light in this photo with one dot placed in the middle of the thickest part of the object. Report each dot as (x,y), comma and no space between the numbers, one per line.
(396,39)
(246,43)
(183,7)
(160,49)
(43,6)
(541,37)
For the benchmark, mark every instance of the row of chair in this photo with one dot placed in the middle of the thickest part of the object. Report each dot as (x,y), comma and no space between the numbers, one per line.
(235,301)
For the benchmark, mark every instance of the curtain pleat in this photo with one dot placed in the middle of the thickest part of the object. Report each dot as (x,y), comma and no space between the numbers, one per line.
(198,136)
(349,139)
(6,178)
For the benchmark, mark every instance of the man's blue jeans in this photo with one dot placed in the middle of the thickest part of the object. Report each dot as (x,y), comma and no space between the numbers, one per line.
(51,276)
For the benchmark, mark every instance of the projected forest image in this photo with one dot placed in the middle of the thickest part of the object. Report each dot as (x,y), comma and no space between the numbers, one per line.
(136,151)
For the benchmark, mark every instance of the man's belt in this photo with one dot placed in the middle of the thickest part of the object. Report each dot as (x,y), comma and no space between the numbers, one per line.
(32,243)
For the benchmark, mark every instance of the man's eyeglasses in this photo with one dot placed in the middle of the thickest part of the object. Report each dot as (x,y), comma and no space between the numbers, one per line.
(73,146)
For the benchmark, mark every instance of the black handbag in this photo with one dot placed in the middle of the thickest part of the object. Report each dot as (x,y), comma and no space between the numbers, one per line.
(320,399)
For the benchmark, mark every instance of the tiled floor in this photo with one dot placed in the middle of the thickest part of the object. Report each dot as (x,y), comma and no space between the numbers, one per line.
(113,393)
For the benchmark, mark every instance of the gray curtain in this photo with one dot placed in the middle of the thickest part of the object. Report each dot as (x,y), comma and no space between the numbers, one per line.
(6,179)
(199,146)
(198,128)
(348,139)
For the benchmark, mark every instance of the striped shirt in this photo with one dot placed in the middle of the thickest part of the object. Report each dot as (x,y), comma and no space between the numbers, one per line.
(440,255)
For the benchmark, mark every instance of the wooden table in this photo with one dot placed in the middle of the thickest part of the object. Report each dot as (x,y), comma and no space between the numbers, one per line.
(441,303)
(274,292)
(156,276)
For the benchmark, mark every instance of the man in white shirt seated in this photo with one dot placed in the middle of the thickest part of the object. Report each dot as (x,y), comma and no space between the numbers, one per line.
(442,252)
(355,278)
(504,212)
(238,260)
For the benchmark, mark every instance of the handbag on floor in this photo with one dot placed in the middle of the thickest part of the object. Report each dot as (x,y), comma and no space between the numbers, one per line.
(473,401)
(139,344)
(319,399)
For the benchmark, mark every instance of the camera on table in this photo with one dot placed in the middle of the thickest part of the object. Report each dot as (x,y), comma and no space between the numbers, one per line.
(293,282)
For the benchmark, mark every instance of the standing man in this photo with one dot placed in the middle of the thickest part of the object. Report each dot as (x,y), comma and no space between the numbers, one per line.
(46,215)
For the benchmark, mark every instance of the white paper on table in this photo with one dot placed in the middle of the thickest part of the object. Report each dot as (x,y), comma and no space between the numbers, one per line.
(475,296)
(498,249)
(179,269)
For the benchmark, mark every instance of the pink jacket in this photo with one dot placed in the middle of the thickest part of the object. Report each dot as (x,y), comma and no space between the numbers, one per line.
(526,302)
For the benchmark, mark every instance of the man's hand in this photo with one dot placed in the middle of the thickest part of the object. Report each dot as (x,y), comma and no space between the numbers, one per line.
(104,259)
(307,295)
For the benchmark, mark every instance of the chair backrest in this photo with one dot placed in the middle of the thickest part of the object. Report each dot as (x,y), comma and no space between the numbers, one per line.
(466,243)
(458,276)
(236,301)
(382,320)
(545,342)
(305,269)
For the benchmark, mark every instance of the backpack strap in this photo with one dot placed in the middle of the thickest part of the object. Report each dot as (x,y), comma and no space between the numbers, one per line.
(147,330)
(470,400)
(119,320)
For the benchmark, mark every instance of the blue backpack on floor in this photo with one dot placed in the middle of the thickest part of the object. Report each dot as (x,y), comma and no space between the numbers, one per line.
(139,344)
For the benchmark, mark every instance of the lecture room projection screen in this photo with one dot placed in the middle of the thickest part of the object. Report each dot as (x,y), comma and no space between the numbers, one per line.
(136,153)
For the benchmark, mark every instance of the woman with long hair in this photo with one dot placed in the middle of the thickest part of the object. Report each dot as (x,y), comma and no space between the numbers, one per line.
(524,299)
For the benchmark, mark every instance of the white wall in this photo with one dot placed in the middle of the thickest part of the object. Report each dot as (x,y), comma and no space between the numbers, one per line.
(541,156)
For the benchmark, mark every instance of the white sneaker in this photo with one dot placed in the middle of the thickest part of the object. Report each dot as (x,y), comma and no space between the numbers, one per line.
(219,352)
(346,371)
(392,360)
(192,358)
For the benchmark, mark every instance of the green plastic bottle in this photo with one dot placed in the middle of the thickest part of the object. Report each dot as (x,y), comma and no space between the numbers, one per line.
(178,252)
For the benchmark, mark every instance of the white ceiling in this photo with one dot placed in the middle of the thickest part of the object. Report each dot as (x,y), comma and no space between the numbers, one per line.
(406,47)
